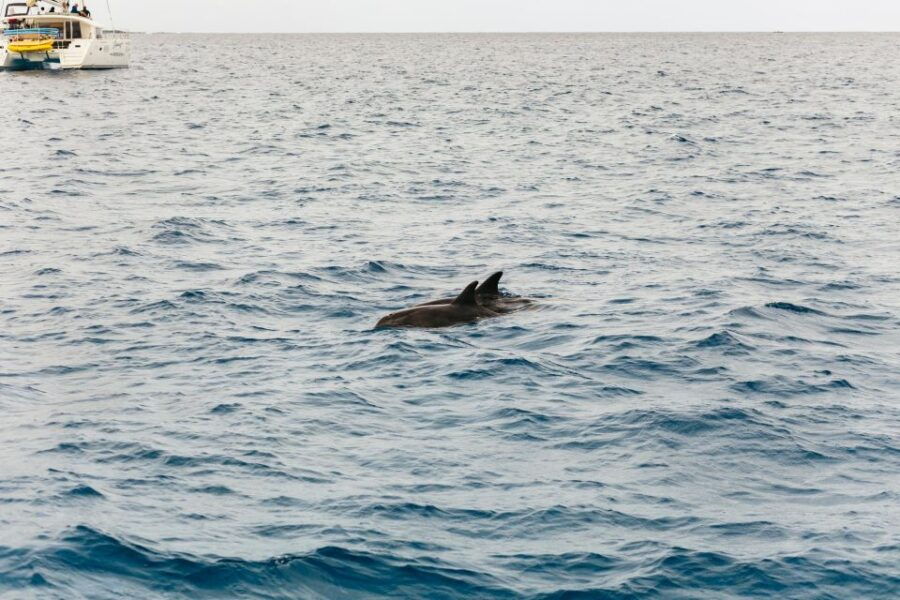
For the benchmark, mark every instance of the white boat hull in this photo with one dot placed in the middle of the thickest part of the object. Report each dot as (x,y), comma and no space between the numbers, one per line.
(105,53)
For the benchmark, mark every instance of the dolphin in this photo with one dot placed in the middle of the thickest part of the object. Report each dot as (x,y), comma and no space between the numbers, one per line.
(465,308)
(488,294)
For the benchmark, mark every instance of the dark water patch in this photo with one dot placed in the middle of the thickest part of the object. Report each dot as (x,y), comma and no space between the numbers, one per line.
(681,139)
(628,341)
(84,491)
(112,566)
(115,173)
(198,266)
(66,369)
(641,368)
(160,306)
(182,230)
(839,286)
(66,192)
(761,529)
(852,331)
(193,295)
(511,419)
(724,340)
(786,387)
(692,423)
(120,251)
(214,490)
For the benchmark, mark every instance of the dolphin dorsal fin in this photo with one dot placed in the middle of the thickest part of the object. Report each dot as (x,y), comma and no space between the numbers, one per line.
(491,285)
(467,297)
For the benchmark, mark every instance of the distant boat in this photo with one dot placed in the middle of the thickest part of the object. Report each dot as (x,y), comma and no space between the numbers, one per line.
(43,34)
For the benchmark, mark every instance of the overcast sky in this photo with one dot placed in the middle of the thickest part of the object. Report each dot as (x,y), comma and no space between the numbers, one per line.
(501,15)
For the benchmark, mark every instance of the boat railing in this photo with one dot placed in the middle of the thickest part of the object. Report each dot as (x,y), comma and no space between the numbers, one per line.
(33,32)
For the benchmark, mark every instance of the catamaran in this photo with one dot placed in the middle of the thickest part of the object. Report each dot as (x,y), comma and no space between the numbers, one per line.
(48,34)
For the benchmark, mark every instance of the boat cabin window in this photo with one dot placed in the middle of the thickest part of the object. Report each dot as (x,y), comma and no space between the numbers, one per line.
(14,10)
(72,30)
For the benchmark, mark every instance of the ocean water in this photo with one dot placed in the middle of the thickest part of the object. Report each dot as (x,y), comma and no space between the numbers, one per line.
(704,404)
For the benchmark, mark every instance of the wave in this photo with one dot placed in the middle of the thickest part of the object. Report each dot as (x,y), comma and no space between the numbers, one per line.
(88,562)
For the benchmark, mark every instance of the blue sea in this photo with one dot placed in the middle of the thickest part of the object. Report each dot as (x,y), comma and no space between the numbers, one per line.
(702,405)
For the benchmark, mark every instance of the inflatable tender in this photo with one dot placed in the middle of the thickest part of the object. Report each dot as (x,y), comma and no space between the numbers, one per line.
(31,40)
(24,46)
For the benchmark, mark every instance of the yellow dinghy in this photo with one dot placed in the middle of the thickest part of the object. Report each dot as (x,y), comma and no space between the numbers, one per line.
(37,39)
(23,46)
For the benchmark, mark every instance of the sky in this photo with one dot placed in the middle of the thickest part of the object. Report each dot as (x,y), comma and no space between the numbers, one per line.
(499,15)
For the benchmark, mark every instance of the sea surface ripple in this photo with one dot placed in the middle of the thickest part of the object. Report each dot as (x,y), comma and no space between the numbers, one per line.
(193,253)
